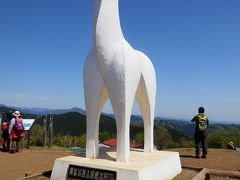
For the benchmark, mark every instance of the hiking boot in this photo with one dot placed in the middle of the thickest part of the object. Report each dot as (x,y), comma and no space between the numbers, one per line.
(197,157)
(11,151)
(5,150)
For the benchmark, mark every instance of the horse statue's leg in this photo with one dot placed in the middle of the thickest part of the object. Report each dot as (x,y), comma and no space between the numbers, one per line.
(95,97)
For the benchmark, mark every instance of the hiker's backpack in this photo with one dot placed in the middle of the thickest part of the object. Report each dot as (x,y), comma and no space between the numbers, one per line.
(19,124)
(202,122)
(5,126)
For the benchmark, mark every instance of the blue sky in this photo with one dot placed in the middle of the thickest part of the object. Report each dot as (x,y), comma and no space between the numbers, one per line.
(194,46)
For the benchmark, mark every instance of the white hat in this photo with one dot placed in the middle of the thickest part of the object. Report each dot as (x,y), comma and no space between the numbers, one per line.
(16,113)
(231,143)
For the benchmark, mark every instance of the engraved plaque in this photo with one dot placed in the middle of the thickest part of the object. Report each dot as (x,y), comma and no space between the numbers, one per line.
(85,173)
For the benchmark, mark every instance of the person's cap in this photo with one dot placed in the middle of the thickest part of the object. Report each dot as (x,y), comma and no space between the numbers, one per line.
(16,113)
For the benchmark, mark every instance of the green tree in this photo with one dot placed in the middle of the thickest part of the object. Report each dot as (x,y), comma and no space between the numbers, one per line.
(70,141)
(162,137)
(80,141)
(103,136)
(139,138)
(64,141)
(36,135)
(215,139)
(219,138)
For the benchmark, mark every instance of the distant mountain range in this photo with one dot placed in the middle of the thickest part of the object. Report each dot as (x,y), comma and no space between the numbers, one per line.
(45,111)
(73,121)
(134,118)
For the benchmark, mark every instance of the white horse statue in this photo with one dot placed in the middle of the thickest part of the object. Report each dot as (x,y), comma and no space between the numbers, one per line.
(114,70)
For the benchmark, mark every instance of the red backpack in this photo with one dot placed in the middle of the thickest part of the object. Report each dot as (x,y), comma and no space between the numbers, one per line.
(4,126)
(19,124)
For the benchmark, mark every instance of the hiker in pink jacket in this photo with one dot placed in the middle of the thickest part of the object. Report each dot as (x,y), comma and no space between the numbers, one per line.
(16,131)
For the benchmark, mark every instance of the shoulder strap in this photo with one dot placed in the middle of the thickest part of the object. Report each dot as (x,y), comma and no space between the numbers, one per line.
(202,116)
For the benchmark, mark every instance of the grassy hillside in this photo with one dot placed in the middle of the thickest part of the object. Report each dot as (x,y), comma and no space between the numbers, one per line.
(188,128)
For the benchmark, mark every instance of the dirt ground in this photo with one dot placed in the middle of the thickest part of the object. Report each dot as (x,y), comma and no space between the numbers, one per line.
(14,166)
(33,161)
(217,159)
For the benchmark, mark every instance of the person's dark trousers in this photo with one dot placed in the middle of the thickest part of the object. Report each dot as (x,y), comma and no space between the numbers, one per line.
(5,140)
(200,139)
(17,144)
(6,144)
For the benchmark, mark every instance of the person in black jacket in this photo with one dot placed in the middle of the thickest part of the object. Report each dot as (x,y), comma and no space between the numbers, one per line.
(201,125)
(5,133)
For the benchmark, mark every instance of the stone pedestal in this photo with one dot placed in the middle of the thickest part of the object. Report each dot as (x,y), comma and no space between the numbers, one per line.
(155,166)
